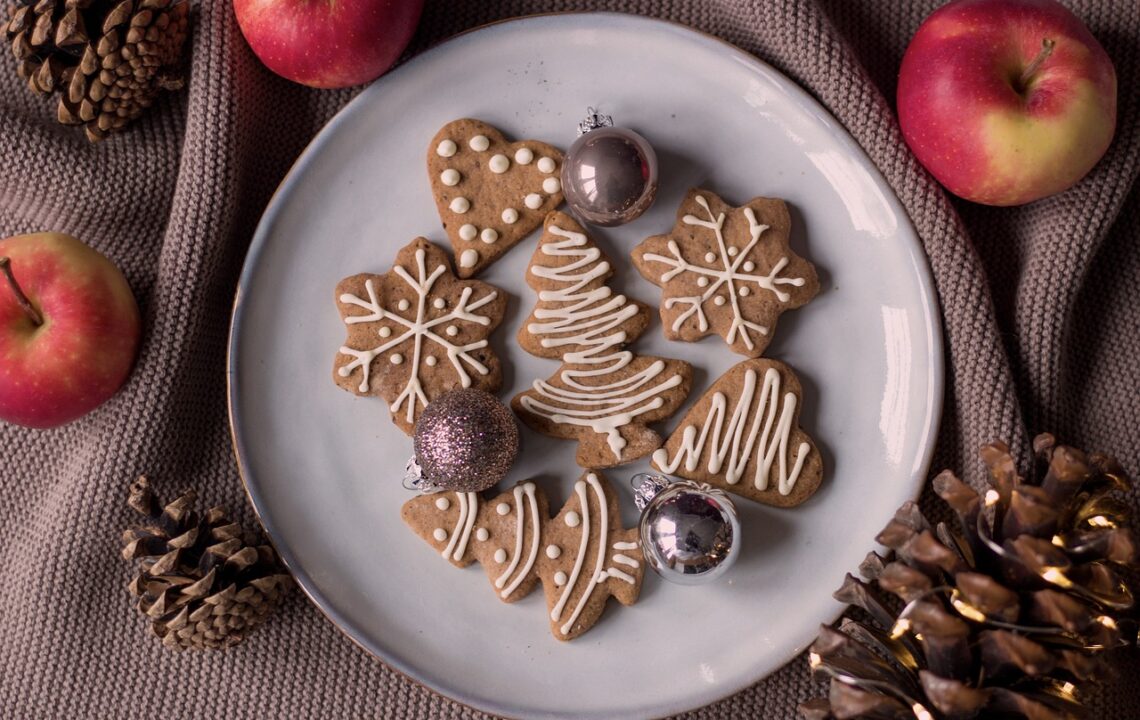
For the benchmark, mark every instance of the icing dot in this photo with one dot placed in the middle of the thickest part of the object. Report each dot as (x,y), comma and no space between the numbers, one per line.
(481,534)
(385,331)
(743,292)
(710,257)
(559,578)
(451,330)
(443,503)
(430,360)
(489,235)
(439,534)
(397,359)
(523,156)
(510,216)
(460,205)
(500,555)
(553,551)
(479,143)
(468,232)
(533,201)
(546,165)
(499,164)
(551,185)
(344,371)
(446,148)
(449,177)
(573,519)
(702,281)
(439,303)
(732,251)
(749,266)
(403,305)
(718,301)
(503,508)
(468,258)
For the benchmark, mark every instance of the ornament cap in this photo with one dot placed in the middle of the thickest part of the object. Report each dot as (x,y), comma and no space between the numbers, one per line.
(593,121)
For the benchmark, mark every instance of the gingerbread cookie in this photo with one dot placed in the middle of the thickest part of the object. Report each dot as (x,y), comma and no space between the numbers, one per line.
(603,395)
(743,436)
(417,332)
(503,535)
(490,193)
(726,271)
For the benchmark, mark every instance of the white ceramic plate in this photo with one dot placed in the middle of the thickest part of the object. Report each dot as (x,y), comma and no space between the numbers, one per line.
(323,468)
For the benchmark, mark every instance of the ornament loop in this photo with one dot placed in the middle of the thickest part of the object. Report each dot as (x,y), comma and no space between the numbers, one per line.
(414,479)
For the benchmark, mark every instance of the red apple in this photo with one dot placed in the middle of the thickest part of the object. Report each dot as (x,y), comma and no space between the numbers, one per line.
(328,43)
(1006,101)
(69,329)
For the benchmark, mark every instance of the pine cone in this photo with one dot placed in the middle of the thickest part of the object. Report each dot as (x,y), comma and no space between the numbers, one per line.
(108,59)
(1006,616)
(201,581)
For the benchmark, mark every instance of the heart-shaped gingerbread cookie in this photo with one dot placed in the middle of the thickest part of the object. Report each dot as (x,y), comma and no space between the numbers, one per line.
(490,193)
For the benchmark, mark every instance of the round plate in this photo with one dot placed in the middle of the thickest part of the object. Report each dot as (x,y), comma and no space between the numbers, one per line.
(324,468)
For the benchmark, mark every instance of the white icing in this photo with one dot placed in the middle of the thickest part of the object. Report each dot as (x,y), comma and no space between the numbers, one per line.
(499,164)
(702,282)
(468,509)
(732,251)
(580,558)
(460,205)
(748,266)
(551,185)
(403,305)
(710,257)
(439,303)
(718,301)
(573,519)
(449,177)
(468,258)
(384,332)
(553,551)
(559,579)
(523,156)
(420,330)
(467,231)
(625,560)
(759,427)
(451,330)
(545,164)
(742,292)
(533,201)
(446,148)
(489,235)
(585,317)
(527,490)
(503,508)
(510,216)
(625,546)
(479,143)
(439,534)
(728,274)
(500,555)
(396,359)
(481,534)
(430,361)
(599,565)
(615,573)
(443,503)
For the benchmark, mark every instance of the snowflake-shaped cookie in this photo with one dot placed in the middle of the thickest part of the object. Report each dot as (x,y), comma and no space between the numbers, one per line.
(417,332)
(727,271)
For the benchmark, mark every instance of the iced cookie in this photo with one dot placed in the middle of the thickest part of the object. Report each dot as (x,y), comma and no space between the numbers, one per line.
(744,436)
(490,193)
(727,271)
(603,396)
(417,332)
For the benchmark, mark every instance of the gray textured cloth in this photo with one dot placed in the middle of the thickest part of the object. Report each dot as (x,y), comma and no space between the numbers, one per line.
(1041,308)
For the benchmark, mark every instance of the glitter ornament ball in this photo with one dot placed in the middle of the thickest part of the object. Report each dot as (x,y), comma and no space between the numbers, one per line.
(465,441)
(609,174)
(689,531)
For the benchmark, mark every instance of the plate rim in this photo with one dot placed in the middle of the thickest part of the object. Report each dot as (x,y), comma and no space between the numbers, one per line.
(931,312)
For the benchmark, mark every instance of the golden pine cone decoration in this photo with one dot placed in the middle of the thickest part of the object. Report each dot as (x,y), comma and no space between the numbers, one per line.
(1008,615)
(202,582)
(107,59)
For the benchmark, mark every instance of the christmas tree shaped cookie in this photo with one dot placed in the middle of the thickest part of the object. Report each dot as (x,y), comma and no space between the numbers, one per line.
(744,436)
(726,271)
(603,396)
(417,332)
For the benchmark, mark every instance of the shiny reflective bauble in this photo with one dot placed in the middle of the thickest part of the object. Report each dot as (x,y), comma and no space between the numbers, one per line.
(465,441)
(609,176)
(690,533)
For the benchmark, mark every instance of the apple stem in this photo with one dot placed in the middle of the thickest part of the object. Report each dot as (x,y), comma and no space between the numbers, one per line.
(1047,46)
(21,298)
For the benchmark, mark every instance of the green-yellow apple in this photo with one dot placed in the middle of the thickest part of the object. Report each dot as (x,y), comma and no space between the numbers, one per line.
(328,43)
(1006,101)
(69,329)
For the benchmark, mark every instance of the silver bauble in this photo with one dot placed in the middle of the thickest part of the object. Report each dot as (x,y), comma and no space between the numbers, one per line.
(609,174)
(689,531)
(465,441)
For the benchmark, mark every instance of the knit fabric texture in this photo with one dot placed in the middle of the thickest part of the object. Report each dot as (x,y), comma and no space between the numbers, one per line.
(1041,308)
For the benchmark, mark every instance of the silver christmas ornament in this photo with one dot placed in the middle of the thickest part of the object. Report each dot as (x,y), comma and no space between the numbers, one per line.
(689,531)
(609,174)
(465,441)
